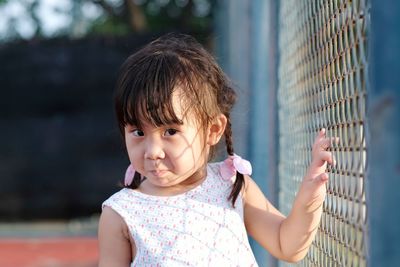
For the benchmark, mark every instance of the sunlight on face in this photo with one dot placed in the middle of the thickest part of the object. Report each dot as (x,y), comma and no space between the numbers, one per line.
(171,155)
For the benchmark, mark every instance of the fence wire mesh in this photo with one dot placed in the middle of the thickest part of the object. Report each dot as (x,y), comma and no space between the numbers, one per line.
(322,83)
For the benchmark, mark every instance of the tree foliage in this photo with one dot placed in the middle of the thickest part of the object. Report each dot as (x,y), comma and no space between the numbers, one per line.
(138,16)
(115,17)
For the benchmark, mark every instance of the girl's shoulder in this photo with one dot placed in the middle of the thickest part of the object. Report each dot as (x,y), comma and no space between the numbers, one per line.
(119,201)
(120,195)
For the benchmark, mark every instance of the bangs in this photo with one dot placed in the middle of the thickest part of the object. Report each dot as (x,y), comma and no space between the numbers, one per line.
(146,90)
(148,79)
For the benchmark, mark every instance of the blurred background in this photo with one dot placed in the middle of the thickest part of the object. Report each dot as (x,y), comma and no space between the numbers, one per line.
(61,154)
(298,66)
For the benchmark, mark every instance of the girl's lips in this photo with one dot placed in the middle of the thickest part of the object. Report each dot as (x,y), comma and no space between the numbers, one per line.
(158,173)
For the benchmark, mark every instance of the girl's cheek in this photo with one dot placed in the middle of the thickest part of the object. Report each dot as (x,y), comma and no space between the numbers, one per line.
(178,144)
(134,157)
(131,140)
(133,150)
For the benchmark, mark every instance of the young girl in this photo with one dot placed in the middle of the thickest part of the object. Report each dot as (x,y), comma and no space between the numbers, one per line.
(173,106)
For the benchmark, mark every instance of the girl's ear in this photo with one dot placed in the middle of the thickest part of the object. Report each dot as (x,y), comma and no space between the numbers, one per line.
(216,130)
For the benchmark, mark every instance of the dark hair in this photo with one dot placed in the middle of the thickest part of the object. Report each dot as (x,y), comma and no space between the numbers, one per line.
(149,76)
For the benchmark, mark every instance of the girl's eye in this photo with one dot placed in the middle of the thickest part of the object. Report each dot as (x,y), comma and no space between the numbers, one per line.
(138,132)
(170,132)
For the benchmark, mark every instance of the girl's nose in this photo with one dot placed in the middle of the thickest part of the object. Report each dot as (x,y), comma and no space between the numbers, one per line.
(154,150)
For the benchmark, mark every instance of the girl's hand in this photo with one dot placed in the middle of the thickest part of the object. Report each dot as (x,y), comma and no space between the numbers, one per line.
(313,188)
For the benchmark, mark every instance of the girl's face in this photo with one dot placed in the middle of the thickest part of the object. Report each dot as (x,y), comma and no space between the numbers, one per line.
(171,154)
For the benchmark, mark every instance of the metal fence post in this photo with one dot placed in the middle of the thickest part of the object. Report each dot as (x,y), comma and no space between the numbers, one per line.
(263,136)
(246,47)
(384,134)
(233,50)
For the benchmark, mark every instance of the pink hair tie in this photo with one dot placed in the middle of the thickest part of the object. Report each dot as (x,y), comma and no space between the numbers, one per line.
(232,164)
(129,174)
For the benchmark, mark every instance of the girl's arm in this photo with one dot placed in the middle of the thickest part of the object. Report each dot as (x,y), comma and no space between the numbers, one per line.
(114,242)
(289,238)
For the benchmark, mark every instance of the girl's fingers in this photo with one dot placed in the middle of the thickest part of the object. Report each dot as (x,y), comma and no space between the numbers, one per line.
(325,143)
(322,178)
(321,157)
(326,156)
(321,134)
(320,146)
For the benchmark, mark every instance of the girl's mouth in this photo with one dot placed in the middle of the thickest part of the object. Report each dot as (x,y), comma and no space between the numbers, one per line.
(158,173)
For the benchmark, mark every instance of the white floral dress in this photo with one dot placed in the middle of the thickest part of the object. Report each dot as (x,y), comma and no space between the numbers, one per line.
(197,228)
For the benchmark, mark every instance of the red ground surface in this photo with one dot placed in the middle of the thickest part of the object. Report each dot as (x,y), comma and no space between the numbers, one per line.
(49,252)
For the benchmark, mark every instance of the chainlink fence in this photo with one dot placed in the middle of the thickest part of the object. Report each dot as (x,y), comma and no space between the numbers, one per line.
(322,84)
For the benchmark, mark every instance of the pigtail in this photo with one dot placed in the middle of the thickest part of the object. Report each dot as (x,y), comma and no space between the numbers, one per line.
(239,181)
(137,180)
